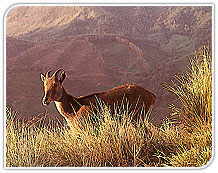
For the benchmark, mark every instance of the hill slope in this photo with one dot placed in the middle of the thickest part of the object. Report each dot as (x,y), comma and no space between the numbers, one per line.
(100,47)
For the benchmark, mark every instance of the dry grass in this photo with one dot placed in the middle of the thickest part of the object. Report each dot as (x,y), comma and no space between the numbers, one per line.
(112,142)
(183,140)
(194,112)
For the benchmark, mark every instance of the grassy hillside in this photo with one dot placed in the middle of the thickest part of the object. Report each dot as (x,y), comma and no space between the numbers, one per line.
(183,140)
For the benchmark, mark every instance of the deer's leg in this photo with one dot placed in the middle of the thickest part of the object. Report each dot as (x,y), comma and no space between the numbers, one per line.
(79,119)
(84,111)
(82,116)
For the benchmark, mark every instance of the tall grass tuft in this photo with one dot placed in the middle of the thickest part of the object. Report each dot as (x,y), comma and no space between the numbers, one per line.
(193,112)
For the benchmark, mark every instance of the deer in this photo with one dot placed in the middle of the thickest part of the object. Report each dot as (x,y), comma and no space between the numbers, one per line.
(72,108)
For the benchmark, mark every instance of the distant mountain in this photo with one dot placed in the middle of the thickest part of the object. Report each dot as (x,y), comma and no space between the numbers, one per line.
(14,46)
(100,47)
(156,23)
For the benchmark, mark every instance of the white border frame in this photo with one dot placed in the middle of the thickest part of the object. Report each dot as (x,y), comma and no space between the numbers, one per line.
(110,4)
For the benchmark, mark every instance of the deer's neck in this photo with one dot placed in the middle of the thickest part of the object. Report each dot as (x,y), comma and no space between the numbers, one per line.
(67,105)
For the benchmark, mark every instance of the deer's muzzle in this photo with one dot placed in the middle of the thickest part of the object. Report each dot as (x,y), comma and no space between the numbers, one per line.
(45,101)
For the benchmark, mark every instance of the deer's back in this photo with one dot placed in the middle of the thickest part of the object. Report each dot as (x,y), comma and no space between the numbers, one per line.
(133,94)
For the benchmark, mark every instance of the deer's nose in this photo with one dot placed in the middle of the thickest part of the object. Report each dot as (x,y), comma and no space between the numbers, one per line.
(45,101)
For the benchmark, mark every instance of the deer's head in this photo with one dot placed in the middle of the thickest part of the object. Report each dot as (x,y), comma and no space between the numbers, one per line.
(52,85)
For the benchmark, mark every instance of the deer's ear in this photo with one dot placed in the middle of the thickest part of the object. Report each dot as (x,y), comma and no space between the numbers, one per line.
(62,76)
(42,77)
